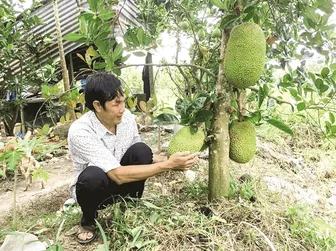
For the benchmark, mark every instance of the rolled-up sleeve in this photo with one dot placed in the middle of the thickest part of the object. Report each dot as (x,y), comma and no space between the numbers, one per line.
(89,150)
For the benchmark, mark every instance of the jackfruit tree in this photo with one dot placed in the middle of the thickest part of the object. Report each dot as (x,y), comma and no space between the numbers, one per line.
(256,39)
(245,57)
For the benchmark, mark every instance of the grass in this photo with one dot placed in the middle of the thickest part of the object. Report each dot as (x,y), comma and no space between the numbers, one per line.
(184,220)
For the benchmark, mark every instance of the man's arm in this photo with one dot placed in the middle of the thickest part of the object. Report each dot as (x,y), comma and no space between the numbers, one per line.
(159,158)
(178,161)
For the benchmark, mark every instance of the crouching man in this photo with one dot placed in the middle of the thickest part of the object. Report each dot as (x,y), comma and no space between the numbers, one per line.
(109,159)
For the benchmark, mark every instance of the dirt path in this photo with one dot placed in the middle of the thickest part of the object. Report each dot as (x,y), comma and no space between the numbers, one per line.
(56,189)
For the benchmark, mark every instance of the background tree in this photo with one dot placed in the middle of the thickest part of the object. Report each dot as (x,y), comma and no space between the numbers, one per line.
(20,67)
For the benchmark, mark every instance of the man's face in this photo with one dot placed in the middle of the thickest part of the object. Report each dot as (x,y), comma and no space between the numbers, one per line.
(114,110)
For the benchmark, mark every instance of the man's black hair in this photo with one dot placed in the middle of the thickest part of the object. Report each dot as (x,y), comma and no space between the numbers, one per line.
(102,87)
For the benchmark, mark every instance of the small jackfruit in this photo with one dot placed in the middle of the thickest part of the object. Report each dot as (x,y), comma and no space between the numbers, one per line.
(201,34)
(244,59)
(184,25)
(216,33)
(242,141)
(186,140)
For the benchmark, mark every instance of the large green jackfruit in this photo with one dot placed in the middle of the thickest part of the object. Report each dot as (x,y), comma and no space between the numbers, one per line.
(186,140)
(245,55)
(242,141)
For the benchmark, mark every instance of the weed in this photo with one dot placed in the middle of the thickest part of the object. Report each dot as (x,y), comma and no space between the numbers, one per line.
(316,232)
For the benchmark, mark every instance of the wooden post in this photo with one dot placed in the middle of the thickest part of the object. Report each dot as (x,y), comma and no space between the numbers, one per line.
(149,60)
(65,74)
(72,79)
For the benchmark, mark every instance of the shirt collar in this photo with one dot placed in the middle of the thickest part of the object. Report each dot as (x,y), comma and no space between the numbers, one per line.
(97,125)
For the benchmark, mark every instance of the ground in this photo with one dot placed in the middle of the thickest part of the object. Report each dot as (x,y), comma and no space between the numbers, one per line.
(288,173)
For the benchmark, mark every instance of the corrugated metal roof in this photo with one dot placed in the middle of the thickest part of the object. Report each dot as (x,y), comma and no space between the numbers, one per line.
(68,13)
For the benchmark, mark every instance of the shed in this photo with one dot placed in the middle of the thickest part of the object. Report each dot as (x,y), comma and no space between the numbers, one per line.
(69,11)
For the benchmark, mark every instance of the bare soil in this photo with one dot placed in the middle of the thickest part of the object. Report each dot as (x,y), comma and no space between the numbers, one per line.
(51,197)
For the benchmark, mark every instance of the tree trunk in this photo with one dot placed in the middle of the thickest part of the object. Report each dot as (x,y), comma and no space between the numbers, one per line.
(65,74)
(219,177)
(23,127)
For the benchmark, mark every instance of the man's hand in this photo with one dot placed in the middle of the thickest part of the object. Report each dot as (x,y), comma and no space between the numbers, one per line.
(183,160)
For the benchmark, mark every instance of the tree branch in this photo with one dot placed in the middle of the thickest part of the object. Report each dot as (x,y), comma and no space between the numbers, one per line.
(270,96)
(169,64)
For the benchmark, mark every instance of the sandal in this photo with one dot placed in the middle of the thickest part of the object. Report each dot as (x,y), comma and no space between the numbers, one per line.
(86,229)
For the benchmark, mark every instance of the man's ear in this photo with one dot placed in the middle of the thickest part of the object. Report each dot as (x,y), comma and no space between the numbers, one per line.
(97,106)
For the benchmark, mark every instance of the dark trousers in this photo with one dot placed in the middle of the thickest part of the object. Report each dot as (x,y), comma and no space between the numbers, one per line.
(95,190)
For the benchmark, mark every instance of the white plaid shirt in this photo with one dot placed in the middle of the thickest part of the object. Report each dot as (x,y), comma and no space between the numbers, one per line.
(90,143)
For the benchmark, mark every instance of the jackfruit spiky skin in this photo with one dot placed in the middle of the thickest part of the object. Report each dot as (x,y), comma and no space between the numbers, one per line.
(242,141)
(185,140)
(245,55)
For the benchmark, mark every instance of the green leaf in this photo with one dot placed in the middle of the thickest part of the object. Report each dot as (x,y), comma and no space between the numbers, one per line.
(203,115)
(249,9)
(255,117)
(325,72)
(311,14)
(333,129)
(261,97)
(117,71)
(106,14)
(331,117)
(92,52)
(326,6)
(280,125)
(293,92)
(301,106)
(99,65)
(248,16)
(83,25)
(256,19)
(40,173)
(2,12)
(46,129)
(228,20)
(323,88)
(93,5)
(124,59)
(12,158)
(140,36)
(165,118)
(151,205)
(318,83)
(101,230)
(130,103)
(139,53)
(218,3)
(73,37)
(117,53)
